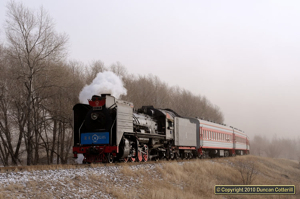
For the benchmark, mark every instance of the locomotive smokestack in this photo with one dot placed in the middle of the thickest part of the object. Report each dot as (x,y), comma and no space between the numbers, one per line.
(105,94)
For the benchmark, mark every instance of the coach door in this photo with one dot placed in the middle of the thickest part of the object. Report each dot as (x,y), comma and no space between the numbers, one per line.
(233,140)
(201,135)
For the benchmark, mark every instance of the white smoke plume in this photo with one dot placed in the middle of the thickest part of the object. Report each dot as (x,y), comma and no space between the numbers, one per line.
(105,83)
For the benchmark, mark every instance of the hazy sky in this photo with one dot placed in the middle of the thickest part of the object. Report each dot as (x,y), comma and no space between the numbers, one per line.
(244,56)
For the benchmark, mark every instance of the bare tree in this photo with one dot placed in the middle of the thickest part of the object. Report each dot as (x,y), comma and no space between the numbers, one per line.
(32,45)
(246,168)
(119,69)
(258,145)
(59,105)
(273,148)
(150,90)
(92,71)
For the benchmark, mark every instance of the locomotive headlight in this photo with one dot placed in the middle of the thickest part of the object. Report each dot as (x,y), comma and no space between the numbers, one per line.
(94,116)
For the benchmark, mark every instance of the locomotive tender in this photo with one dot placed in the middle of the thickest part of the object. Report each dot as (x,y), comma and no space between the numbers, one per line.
(109,130)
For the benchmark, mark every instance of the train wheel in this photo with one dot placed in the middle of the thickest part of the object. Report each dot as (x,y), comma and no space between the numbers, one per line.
(199,156)
(110,158)
(176,156)
(226,153)
(186,155)
(140,156)
(132,159)
(145,156)
(172,156)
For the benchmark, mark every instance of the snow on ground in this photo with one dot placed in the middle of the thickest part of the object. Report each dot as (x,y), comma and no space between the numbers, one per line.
(72,183)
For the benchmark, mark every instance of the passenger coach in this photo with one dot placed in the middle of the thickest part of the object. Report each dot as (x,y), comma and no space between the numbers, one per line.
(221,140)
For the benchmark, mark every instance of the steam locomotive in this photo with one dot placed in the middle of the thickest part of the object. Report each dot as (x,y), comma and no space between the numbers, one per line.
(108,130)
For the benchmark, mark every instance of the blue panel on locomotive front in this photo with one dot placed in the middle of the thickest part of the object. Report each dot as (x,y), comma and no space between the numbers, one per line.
(95,138)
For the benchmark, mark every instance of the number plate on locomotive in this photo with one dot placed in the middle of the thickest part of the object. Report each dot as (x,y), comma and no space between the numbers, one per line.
(97,108)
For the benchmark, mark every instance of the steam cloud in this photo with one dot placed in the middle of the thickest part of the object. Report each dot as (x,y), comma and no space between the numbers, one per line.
(106,82)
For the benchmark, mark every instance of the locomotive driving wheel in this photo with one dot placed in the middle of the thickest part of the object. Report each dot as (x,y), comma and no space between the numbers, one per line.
(172,156)
(140,156)
(145,153)
(132,159)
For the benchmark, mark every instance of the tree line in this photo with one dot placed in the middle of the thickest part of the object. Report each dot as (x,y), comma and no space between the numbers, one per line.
(39,87)
(275,147)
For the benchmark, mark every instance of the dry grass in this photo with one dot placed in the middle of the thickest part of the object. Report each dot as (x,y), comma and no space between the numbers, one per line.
(193,179)
(197,179)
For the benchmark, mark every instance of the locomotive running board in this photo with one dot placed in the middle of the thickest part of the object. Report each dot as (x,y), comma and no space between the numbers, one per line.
(146,135)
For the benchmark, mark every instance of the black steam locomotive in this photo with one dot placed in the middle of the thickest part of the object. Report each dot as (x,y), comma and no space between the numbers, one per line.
(109,130)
